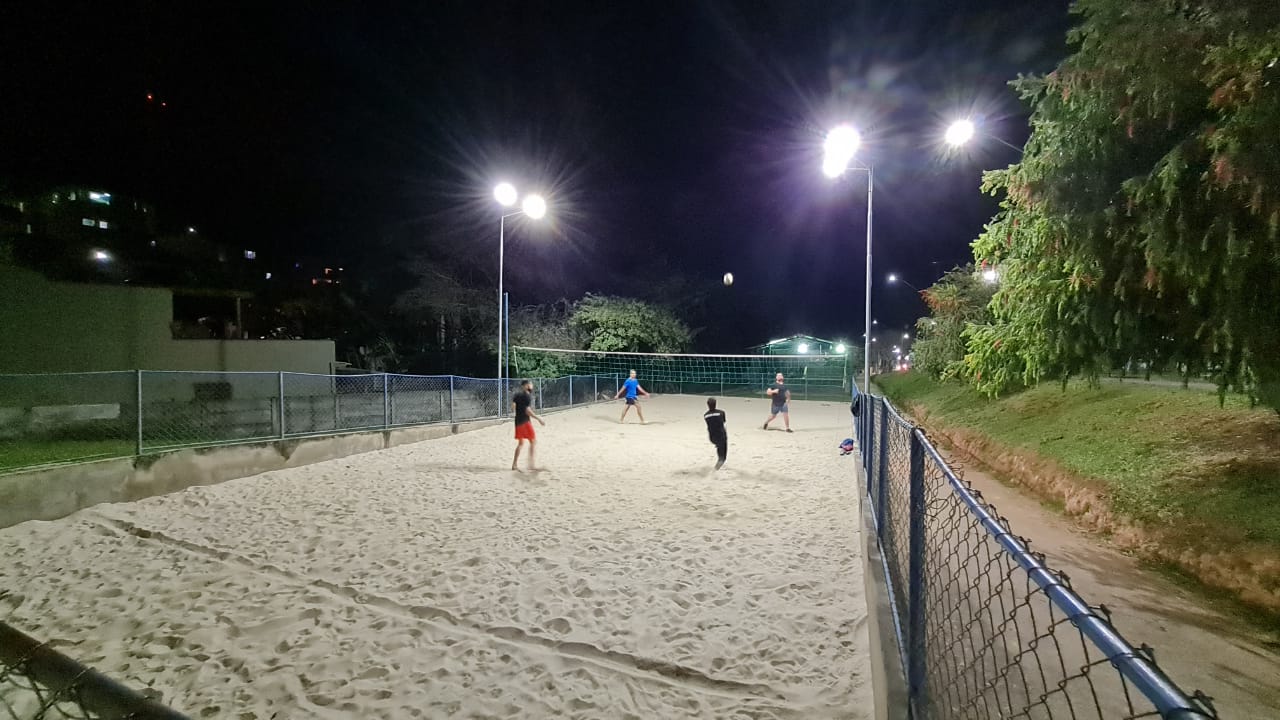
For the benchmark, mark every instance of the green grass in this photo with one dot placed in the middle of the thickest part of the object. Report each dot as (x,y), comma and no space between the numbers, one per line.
(16,454)
(1168,456)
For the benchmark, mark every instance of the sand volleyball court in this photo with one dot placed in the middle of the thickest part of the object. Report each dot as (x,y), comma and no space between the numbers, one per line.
(629,580)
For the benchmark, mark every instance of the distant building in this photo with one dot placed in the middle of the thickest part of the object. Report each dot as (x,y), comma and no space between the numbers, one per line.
(800,345)
(82,327)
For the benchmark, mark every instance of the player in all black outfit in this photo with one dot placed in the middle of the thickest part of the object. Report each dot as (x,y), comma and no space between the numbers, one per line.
(716,431)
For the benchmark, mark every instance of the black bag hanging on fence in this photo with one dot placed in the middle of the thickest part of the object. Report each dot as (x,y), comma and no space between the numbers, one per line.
(856,404)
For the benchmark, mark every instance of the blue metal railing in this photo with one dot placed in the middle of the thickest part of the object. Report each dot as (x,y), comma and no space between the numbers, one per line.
(986,628)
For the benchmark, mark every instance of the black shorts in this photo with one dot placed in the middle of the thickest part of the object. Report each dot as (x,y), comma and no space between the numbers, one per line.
(631,401)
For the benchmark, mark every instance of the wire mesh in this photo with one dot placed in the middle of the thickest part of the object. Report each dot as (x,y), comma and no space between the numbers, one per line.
(420,399)
(67,417)
(988,629)
(320,404)
(197,408)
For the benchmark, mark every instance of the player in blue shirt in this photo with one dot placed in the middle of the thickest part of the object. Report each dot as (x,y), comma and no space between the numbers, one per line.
(632,388)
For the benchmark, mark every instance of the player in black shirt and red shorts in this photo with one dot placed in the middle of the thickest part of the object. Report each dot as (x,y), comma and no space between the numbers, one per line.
(522,404)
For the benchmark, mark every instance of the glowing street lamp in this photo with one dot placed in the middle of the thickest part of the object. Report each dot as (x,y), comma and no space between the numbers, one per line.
(894,278)
(990,277)
(101,256)
(960,132)
(840,349)
(534,207)
(838,151)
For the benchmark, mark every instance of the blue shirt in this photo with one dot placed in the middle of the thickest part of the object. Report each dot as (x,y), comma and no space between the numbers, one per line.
(631,385)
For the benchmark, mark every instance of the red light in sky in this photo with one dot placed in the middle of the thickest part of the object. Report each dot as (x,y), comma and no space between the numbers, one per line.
(150,97)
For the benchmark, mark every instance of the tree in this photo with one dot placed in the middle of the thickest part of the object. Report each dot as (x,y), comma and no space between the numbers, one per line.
(542,326)
(959,299)
(1143,218)
(626,325)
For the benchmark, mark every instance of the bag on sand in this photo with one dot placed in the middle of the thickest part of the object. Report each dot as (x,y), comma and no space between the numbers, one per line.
(846,446)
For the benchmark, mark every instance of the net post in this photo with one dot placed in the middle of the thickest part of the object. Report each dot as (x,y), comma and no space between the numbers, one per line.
(915,575)
(386,401)
(570,391)
(721,384)
(595,388)
(882,465)
(280,381)
(138,439)
(450,399)
(540,405)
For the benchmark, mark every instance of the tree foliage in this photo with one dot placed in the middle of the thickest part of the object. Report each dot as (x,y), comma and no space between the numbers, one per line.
(959,299)
(625,325)
(1142,221)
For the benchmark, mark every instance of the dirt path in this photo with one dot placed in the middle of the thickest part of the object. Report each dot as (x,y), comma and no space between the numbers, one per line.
(1198,647)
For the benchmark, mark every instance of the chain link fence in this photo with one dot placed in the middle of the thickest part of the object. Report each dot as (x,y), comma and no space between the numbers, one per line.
(39,683)
(69,417)
(986,628)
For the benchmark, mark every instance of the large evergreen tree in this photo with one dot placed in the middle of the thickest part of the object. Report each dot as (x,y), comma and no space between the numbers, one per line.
(1143,219)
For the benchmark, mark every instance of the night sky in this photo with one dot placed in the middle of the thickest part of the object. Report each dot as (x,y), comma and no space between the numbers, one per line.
(670,138)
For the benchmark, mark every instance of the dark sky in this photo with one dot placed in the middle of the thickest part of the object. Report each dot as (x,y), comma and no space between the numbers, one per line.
(669,137)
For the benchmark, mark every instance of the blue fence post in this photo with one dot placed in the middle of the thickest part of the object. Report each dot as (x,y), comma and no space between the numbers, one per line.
(386,401)
(281,381)
(570,391)
(882,470)
(138,444)
(450,399)
(915,578)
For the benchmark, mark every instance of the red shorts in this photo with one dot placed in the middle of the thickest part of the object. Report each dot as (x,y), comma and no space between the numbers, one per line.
(525,432)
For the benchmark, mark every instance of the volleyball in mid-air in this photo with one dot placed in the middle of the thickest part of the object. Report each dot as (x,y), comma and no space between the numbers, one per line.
(728,279)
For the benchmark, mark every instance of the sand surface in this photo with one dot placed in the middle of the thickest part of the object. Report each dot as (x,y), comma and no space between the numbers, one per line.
(628,580)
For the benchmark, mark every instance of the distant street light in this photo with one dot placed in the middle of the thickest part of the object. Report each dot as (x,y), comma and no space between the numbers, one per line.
(840,349)
(535,207)
(960,132)
(804,348)
(990,276)
(906,336)
(894,278)
(101,256)
(838,151)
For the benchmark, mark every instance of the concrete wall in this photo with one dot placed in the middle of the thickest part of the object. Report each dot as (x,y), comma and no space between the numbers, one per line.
(55,492)
(52,327)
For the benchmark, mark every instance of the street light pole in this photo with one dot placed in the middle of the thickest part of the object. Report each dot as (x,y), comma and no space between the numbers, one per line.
(866,342)
(502,241)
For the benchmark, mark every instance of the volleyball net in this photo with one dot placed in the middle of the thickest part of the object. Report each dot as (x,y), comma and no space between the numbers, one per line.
(810,377)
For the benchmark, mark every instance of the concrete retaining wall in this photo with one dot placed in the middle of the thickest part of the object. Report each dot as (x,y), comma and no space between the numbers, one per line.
(54,492)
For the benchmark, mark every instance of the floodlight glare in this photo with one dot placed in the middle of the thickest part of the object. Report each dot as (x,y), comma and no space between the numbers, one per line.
(840,348)
(804,348)
(505,194)
(960,132)
(840,146)
(893,278)
(990,276)
(534,206)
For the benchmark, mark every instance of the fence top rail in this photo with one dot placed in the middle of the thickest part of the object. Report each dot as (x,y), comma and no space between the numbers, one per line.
(63,374)
(1137,666)
(564,351)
